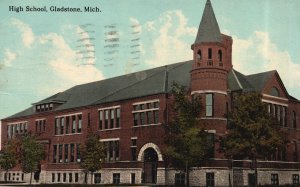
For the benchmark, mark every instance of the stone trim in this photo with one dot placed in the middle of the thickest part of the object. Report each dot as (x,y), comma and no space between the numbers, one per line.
(146,146)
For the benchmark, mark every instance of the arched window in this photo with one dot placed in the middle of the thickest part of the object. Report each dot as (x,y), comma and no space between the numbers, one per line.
(199,55)
(220,55)
(274,91)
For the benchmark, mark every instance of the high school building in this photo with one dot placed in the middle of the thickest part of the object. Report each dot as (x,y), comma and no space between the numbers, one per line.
(129,113)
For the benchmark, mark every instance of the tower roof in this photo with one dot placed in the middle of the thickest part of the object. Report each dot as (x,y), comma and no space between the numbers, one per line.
(208,30)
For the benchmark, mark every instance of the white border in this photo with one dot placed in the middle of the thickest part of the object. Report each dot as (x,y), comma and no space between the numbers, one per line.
(274,102)
(209,91)
(143,102)
(109,139)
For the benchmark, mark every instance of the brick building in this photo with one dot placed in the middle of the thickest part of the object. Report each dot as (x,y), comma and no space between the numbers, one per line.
(129,113)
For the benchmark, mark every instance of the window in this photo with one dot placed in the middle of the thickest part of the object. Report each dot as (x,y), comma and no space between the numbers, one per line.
(118,118)
(155,116)
(60,153)
(56,126)
(209,53)
(54,153)
(78,156)
(53,177)
(220,56)
(58,177)
(67,124)
(199,55)
(209,104)
(211,144)
(274,179)
(97,178)
(89,120)
(133,149)
(66,152)
(100,119)
(112,118)
(294,116)
(210,179)
(73,124)
(295,154)
(116,148)
(145,113)
(70,177)
(40,126)
(79,123)
(106,119)
(142,118)
(284,121)
(62,123)
(112,150)
(179,179)
(17,128)
(132,178)
(76,177)
(274,92)
(149,117)
(116,178)
(64,177)
(72,153)
(25,127)
(295,179)
(135,119)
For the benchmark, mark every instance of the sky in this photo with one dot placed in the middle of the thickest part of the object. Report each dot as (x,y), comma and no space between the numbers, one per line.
(43,53)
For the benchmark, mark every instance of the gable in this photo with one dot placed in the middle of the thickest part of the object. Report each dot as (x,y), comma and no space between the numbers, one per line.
(275,87)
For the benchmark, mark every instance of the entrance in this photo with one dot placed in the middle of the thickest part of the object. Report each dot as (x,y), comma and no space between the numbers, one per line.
(150,166)
(251,180)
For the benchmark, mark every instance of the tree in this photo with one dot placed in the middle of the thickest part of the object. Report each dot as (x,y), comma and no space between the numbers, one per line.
(186,140)
(8,158)
(252,132)
(31,154)
(92,154)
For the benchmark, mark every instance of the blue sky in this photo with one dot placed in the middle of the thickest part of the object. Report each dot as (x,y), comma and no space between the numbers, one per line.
(42,53)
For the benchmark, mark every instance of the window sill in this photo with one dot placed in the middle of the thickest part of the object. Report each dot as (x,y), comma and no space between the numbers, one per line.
(155,124)
(68,134)
(109,129)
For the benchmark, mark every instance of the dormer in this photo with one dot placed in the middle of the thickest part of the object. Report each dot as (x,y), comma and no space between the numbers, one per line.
(47,105)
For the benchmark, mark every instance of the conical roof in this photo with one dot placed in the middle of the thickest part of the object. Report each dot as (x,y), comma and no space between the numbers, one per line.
(208,30)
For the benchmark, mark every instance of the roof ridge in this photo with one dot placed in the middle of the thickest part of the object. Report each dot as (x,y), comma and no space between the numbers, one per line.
(262,72)
(238,81)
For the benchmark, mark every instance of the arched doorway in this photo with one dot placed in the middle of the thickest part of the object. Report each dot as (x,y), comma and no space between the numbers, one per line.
(150,165)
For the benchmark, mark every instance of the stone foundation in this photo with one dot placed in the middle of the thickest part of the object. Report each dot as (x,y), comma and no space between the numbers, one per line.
(198,176)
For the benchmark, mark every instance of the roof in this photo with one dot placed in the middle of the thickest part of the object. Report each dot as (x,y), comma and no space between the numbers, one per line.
(139,84)
(208,30)
(148,82)
(259,80)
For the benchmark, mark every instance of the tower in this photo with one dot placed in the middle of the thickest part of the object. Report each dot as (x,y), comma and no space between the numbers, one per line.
(212,63)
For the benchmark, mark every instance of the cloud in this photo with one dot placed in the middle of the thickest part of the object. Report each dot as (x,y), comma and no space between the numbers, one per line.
(170,33)
(51,60)
(9,56)
(27,34)
(63,62)
(259,53)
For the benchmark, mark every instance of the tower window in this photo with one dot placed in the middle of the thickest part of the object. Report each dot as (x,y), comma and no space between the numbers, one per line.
(199,55)
(220,55)
(209,104)
(209,53)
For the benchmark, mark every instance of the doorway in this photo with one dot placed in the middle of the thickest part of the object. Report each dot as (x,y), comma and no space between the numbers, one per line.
(150,166)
